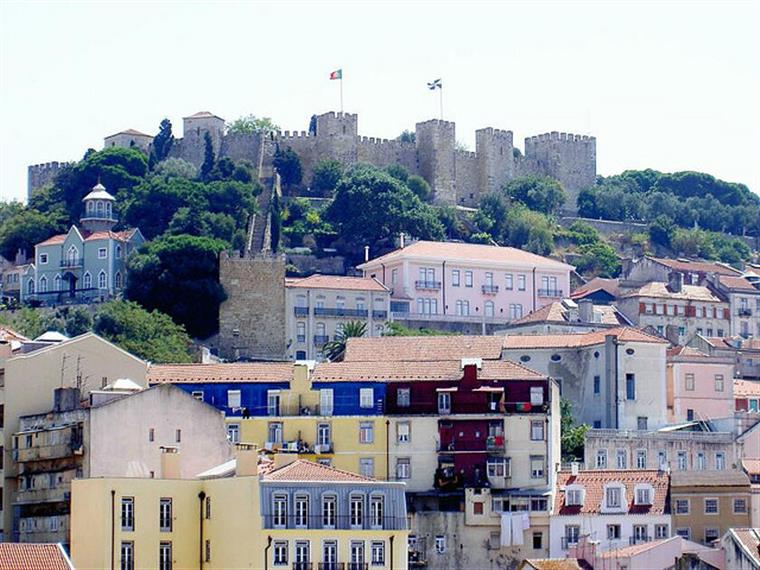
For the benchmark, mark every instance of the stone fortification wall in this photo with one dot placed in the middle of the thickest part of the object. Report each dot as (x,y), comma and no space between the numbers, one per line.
(242,147)
(40,175)
(436,144)
(496,164)
(384,152)
(468,189)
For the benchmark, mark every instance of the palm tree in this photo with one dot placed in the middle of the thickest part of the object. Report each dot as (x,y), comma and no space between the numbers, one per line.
(334,349)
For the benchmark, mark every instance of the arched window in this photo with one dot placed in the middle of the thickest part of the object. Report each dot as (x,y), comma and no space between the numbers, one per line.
(90,207)
(43,284)
(57,282)
(117,280)
(100,208)
(488,309)
(30,287)
(72,255)
(102,280)
(87,280)
(108,209)
(118,252)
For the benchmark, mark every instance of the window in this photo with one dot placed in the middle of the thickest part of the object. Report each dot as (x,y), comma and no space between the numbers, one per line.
(640,533)
(366,432)
(178,436)
(689,382)
(630,386)
(515,311)
(613,532)
(521,282)
(601,459)
(402,432)
(151,434)
(165,515)
(539,505)
(403,468)
(661,531)
(208,507)
(536,396)
(444,402)
(642,423)
(537,466)
(403,399)
(273,402)
(711,535)
(574,497)
(682,506)
(509,282)
(233,398)
(329,506)
(489,309)
(719,383)
(367,466)
(233,433)
(302,555)
(326,402)
(102,280)
(572,533)
(454,278)
(720,461)
(477,508)
(324,438)
(376,511)
(274,432)
(366,398)
(684,532)
(57,283)
(662,460)
(700,461)
(643,496)
(279,511)
(740,506)
(207,552)
(468,278)
(440,544)
(612,497)
(127,513)
(117,280)
(641,459)
(43,284)
(497,467)
(127,556)
(301,511)
(300,332)
(280,553)
(537,430)
(356,511)
(377,553)
(197,394)
(538,540)
(682,460)
(597,385)
(165,556)
(43,258)
(621,459)
(711,506)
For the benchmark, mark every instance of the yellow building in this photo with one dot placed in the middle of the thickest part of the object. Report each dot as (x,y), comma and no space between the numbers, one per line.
(300,516)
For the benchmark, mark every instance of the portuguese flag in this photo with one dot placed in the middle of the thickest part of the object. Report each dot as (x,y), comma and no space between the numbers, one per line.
(337,74)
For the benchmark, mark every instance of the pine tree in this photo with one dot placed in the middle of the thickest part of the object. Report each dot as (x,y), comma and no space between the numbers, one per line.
(208,157)
(162,143)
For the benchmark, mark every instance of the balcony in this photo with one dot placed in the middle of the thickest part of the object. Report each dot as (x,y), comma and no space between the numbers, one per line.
(331,566)
(427,285)
(303,566)
(301,311)
(490,289)
(496,444)
(300,410)
(340,312)
(568,541)
(340,522)
(321,339)
(555,293)
(357,565)
(744,312)
(380,315)
(72,262)
(43,452)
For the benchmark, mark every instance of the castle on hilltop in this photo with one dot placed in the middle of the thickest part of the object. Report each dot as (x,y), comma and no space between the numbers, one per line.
(456,176)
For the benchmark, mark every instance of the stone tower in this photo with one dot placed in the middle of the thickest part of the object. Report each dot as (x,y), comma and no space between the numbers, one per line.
(493,148)
(337,136)
(99,213)
(195,128)
(252,319)
(436,141)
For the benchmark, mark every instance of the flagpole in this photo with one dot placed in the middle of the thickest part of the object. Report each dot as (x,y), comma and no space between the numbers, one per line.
(440,95)
(341,91)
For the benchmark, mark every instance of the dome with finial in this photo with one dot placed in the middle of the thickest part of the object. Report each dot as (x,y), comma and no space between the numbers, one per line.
(98,192)
(99,212)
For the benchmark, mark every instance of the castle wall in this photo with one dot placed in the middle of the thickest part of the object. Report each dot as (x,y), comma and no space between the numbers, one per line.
(384,152)
(193,145)
(305,146)
(436,141)
(468,188)
(494,148)
(41,175)
(242,147)
(127,140)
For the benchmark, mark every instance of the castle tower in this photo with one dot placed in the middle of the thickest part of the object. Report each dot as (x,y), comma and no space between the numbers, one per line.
(195,128)
(98,214)
(495,159)
(337,136)
(436,141)
(129,139)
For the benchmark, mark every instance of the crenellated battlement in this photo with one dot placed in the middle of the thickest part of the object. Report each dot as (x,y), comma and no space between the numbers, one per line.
(557,136)
(43,174)
(293,134)
(466,154)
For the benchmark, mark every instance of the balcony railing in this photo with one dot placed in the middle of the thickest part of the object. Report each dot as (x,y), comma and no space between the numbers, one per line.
(567,542)
(550,293)
(331,566)
(339,312)
(490,289)
(72,262)
(301,311)
(298,446)
(379,314)
(357,565)
(744,312)
(320,339)
(431,285)
(301,410)
(303,566)
(341,522)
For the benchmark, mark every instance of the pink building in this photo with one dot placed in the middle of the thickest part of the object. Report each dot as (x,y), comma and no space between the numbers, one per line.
(700,386)
(460,281)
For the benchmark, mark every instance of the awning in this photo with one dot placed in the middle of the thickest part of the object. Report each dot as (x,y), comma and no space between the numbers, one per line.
(452,389)
(494,389)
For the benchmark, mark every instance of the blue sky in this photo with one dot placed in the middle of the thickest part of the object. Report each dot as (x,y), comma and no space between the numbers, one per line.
(666,85)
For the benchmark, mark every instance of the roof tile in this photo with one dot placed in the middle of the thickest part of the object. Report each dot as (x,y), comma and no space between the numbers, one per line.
(696,266)
(29,556)
(337,282)
(688,292)
(230,372)
(422,348)
(594,482)
(578,340)
(302,470)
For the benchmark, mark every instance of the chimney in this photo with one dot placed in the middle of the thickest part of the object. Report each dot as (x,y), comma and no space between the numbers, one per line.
(574,468)
(246,460)
(283,459)
(586,310)
(401,240)
(675,281)
(170,464)
(65,399)
(366,253)
(470,367)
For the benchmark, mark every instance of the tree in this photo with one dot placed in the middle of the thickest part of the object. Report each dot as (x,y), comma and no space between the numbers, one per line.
(420,187)
(407,137)
(150,335)
(276,221)
(582,233)
(288,166)
(573,437)
(26,228)
(162,142)
(335,349)
(372,208)
(9,209)
(661,230)
(326,176)
(179,276)
(251,124)
(453,226)
(398,172)
(537,193)
(176,168)
(394,328)
(208,157)
(598,260)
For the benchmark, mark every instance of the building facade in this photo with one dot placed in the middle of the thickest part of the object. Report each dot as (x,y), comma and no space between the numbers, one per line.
(742,548)
(743,294)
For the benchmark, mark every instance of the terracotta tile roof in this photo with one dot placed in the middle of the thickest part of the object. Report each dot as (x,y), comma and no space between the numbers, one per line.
(7,335)
(123,236)
(578,340)
(730,478)
(554,563)
(660,290)
(132,132)
(556,312)
(302,470)
(390,370)
(593,483)
(203,115)
(697,266)
(598,283)
(740,283)
(751,466)
(633,550)
(422,348)
(231,372)
(29,556)
(744,388)
(467,253)
(54,240)
(686,352)
(337,282)
(749,539)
